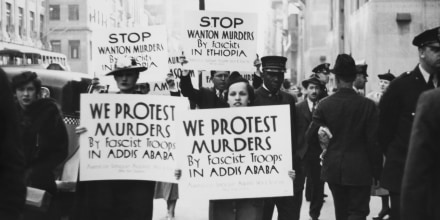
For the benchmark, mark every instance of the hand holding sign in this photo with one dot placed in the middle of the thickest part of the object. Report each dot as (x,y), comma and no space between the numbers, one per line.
(183,60)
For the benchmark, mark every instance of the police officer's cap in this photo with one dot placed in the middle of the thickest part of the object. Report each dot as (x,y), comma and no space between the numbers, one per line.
(361,67)
(387,76)
(322,68)
(344,66)
(274,63)
(427,37)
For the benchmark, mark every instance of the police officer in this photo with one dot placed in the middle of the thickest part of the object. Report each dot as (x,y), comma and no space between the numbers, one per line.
(323,73)
(361,78)
(397,110)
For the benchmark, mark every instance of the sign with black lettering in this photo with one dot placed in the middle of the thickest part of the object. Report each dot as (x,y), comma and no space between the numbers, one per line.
(219,40)
(129,137)
(148,46)
(236,153)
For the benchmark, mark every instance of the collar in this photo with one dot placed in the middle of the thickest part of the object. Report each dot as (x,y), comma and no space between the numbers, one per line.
(265,88)
(217,92)
(425,73)
(310,104)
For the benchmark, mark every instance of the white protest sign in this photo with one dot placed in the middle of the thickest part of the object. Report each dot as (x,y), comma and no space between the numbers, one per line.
(236,153)
(129,136)
(220,40)
(148,46)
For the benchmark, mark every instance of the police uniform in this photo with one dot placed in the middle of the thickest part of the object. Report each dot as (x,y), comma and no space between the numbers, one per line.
(323,68)
(397,110)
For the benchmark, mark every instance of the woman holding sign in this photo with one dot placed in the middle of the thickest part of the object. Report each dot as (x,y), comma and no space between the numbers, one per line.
(239,94)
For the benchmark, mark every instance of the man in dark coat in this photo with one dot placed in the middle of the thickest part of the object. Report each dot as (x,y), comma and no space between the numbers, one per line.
(309,152)
(270,94)
(421,182)
(361,78)
(206,97)
(397,109)
(352,159)
(12,187)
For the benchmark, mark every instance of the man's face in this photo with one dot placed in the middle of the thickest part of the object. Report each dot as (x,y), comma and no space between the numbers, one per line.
(383,84)
(26,94)
(313,92)
(325,78)
(126,80)
(219,80)
(273,80)
(430,54)
(360,81)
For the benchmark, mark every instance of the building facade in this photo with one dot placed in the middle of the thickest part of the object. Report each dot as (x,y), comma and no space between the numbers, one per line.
(23,24)
(379,32)
(71,25)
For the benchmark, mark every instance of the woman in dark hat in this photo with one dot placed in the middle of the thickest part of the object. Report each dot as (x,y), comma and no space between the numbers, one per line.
(384,81)
(44,138)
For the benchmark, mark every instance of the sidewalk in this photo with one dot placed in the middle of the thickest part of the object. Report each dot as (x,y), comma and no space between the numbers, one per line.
(188,209)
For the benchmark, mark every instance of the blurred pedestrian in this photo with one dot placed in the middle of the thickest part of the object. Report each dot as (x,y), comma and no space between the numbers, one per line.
(361,78)
(44,138)
(421,184)
(323,73)
(118,199)
(12,162)
(384,81)
(397,109)
(309,152)
(269,93)
(352,160)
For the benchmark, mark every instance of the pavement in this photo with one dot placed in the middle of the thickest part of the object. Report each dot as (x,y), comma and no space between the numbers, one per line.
(192,209)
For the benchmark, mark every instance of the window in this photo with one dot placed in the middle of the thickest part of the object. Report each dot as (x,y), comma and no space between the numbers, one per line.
(41,26)
(32,20)
(74,49)
(56,45)
(21,32)
(73,12)
(9,27)
(54,12)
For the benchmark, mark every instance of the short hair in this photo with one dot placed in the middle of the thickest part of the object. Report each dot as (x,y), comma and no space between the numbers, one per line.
(25,78)
(346,78)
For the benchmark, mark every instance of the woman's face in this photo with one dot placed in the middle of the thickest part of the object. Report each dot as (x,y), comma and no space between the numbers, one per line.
(238,95)
(383,85)
(26,94)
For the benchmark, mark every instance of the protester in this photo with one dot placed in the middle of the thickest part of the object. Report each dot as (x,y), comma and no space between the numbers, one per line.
(421,185)
(361,78)
(12,162)
(44,138)
(352,161)
(205,97)
(119,199)
(270,94)
(397,108)
(142,88)
(384,81)
(309,151)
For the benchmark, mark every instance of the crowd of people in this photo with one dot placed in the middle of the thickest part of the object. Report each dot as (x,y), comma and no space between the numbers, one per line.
(381,144)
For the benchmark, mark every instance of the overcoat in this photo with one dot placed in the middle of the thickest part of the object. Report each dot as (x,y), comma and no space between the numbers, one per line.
(397,109)
(353,156)
(421,181)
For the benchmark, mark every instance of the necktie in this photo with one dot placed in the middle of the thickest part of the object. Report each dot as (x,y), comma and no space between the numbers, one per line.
(431,81)
(313,107)
(220,95)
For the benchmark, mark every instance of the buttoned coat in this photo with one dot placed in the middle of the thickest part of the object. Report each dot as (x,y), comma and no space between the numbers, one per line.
(421,182)
(204,97)
(303,120)
(397,109)
(353,156)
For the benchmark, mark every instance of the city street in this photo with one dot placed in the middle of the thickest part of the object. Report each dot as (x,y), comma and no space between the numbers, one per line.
(188,209)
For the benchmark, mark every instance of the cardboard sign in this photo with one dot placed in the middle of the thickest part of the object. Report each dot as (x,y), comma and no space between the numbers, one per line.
(148,46)
(129,137)
(220,40)
(236,153)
